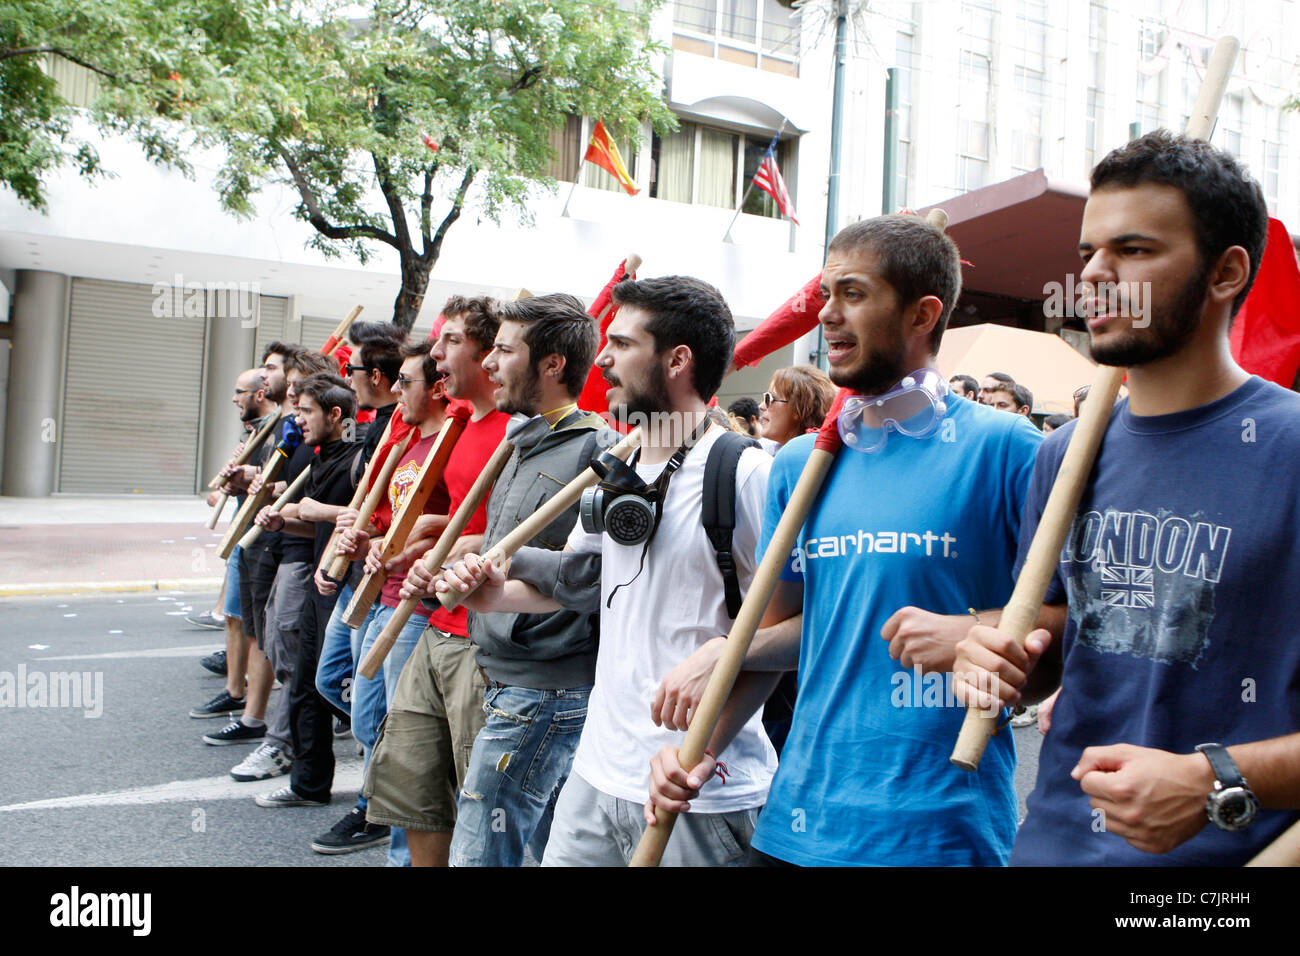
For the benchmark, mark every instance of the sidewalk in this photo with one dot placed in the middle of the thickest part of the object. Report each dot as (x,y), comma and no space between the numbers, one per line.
(67,545)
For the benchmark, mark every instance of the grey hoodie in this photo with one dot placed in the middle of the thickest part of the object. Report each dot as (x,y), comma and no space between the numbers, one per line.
(540,651)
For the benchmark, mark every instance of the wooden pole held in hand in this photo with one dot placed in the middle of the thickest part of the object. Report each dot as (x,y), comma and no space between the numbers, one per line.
(358,495)
(253,503)
(1021,612)
(435,556)
(371,502)
(430,472)
(340,330)
(276,507)
(531,526)
(250,446)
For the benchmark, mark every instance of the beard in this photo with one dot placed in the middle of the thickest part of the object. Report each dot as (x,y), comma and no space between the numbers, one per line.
(876,372)
(277,390)
(1172,326)
(644,398)
(523,397)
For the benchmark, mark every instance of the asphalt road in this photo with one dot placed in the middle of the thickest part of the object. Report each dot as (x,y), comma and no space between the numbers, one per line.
(123,778)
(120,777)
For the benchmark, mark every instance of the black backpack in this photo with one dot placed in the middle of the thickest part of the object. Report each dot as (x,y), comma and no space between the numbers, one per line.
(718,513)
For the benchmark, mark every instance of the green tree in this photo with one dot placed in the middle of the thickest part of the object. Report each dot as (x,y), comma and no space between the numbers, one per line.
(131,47)
(387,128)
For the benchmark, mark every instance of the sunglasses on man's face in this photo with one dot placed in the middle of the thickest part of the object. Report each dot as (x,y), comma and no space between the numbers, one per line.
(350,368)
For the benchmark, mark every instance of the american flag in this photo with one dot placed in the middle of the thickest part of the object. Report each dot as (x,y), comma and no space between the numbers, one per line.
(768,178)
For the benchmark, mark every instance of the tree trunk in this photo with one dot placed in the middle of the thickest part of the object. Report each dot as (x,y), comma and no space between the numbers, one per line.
(415,280)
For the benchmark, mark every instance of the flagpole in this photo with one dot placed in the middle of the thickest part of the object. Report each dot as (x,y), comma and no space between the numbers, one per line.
(771,148)
(574,188)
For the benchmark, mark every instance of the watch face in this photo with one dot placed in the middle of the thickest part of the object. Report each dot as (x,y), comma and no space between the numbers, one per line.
(1233,808)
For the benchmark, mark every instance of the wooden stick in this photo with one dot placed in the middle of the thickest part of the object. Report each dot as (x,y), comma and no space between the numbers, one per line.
(430,472)
(371,502)
(217,509)
(250,446)
(358,495)
(1021,612)
(531,526)
(435,556)
(1284,851)
(336,337)
(253,503)
(276,507)
(654,840)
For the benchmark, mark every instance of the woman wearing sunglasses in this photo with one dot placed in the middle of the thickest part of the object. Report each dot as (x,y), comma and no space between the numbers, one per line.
(796,401)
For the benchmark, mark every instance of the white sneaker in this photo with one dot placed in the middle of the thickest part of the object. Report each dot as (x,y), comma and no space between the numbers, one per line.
(265,762)
(1026,717)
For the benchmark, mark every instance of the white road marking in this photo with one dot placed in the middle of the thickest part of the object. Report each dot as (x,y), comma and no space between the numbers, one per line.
(38,647)
(347,777)
(152,652)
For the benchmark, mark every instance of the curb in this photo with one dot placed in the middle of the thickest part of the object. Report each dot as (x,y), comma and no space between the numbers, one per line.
(90,587)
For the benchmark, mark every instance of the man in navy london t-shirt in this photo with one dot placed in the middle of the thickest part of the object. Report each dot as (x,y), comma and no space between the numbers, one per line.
(1181,569)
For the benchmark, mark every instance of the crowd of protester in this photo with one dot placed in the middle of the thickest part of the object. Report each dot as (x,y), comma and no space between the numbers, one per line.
(533,704)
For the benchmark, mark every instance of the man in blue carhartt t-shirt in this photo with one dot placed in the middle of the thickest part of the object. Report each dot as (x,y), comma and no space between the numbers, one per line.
(1174,738)
(914,526)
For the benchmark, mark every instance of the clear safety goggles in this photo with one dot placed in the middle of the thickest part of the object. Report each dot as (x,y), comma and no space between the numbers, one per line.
(915,407)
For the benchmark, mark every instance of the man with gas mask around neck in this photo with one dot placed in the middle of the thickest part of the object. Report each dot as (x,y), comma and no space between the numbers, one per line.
(658,587)
(916,523)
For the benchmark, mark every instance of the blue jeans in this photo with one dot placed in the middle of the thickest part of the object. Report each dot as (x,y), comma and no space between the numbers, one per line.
(520,761)
(231,607)
(338,656)
(370,697)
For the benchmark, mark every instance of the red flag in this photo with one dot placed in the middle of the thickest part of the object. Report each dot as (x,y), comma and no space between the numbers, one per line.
(602,151)
(1265,336)
(603,310)
(796,317)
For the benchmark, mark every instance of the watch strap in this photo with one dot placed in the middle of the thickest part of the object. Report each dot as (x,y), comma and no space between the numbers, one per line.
(1222,764)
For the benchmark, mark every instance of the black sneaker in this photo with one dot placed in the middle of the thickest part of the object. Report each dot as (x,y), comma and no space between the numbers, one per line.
(235,732)
(223,705)
(342,728)
(350,834)
(215,663)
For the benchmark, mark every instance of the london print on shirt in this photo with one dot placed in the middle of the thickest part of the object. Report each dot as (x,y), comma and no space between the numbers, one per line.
(1143,584)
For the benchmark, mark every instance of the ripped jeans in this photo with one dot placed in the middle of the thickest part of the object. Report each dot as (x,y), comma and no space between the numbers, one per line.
(520,761)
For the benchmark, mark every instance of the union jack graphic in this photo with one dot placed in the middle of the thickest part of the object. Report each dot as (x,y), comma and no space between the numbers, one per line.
(1128,587)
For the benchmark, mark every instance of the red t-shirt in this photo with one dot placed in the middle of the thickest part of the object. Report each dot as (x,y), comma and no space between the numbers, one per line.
(473,449)
(399,489)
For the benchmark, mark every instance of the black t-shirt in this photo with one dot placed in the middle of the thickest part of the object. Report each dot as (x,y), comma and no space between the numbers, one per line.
(331,483)
(293,547)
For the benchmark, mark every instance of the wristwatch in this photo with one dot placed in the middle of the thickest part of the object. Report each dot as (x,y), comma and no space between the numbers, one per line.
(1231,805)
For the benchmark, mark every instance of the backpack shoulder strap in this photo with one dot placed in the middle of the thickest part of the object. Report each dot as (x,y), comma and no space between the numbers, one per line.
(718,511)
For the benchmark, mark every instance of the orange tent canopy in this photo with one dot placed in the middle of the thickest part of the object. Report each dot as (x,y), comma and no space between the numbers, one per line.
(1043,363)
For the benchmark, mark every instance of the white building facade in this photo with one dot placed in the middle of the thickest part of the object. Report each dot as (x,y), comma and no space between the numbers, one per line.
(132,305)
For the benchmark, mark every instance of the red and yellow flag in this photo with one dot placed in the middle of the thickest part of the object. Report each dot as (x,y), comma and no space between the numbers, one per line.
(602,151)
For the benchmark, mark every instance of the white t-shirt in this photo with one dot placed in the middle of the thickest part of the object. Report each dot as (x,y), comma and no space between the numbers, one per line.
(655,623)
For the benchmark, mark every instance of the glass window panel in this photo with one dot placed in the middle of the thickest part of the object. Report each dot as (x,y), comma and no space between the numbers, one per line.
(699,16)
(566,144)
(780,29)
(717,185)
(737,20)
(675,165)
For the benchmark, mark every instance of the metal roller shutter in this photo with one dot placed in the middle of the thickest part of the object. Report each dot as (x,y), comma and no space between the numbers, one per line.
(315,330)
(132,393)
(270,324)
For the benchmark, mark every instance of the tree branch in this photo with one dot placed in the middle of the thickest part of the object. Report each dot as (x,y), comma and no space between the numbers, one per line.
(59,51)
(431,254)
(526,79)
(426,203)
(317,218)
(396,212)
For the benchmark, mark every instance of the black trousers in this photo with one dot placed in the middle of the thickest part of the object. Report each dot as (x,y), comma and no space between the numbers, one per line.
(257,568)
(311,718)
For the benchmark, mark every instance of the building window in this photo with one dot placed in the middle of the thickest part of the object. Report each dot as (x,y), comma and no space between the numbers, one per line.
(1232,120)
(759,33)
(1027,137)
(713,167)
(973,134)
(905,62)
